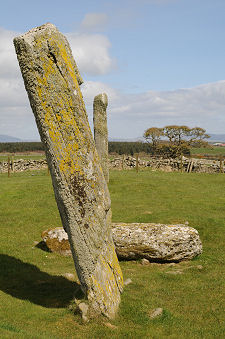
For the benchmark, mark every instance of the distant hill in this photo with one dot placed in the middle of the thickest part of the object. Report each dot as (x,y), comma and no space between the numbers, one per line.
(140,139)
(217,137)
(8,138)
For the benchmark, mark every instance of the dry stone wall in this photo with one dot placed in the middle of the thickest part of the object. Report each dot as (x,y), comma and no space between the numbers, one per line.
(23,165)
(128,162)
(168,165)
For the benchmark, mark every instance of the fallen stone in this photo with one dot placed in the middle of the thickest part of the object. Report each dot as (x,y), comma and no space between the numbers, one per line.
(156,312)
(160,242)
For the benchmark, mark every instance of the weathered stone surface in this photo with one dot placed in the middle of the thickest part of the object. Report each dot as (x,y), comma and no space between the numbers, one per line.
(52,82)
(149,241)
(101,131)
(156,241)
(56,240)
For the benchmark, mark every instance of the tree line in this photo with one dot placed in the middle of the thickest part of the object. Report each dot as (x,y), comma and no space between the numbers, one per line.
(13,147)
(114,147)
(169,141)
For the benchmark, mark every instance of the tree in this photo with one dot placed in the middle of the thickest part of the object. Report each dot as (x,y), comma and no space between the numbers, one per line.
(177,134)
(153,135)
(198,136)
(180,139)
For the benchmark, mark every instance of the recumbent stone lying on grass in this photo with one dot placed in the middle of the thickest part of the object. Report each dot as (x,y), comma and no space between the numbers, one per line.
(155,242)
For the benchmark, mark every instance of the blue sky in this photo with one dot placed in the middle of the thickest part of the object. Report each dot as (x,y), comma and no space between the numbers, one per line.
(160,61)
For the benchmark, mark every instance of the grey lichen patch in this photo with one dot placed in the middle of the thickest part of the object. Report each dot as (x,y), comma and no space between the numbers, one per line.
(101,130)
(160,242)
(52,80)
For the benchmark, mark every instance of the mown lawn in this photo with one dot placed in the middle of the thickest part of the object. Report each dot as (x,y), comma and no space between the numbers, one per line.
(34,294)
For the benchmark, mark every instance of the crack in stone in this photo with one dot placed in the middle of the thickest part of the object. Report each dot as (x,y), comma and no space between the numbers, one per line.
(53,57)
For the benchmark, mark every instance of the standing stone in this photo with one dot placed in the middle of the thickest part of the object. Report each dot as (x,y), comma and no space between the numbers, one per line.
(101,131)
(52,82)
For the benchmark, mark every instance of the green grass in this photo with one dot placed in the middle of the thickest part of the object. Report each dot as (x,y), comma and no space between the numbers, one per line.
(214,150)
(35,296)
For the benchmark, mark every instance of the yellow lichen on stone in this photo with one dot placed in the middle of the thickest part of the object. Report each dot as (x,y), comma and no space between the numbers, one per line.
(52,81)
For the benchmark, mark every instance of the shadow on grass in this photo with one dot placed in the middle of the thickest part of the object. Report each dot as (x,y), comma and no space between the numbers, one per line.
(26,281)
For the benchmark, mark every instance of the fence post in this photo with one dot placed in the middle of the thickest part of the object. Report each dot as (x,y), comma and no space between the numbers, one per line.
(191,166)
(137,167)
(181,163)
(13,162)
(221,164)
(8,166)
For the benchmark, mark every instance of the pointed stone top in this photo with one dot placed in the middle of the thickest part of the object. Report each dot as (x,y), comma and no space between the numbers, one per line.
(29,36)
(45,35)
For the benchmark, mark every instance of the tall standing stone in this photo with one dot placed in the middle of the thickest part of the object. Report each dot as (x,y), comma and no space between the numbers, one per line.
(101,131)
(52,82)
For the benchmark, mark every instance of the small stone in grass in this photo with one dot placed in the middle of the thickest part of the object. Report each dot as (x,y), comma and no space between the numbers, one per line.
(84,310)
(145,261)
(127,282)
(113,327)
(171,264)
(156,312)
(69,276)
(174,272)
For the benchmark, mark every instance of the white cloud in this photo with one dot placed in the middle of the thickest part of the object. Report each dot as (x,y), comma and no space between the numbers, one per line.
(91,52)
(94,22)
(198,106)
(8,62)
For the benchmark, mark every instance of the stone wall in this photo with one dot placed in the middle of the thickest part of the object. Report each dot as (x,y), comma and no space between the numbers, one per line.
(167,165)
(23,165)
(128,162)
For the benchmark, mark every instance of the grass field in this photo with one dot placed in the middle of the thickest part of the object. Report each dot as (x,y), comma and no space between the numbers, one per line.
(34,294)
(214,150)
